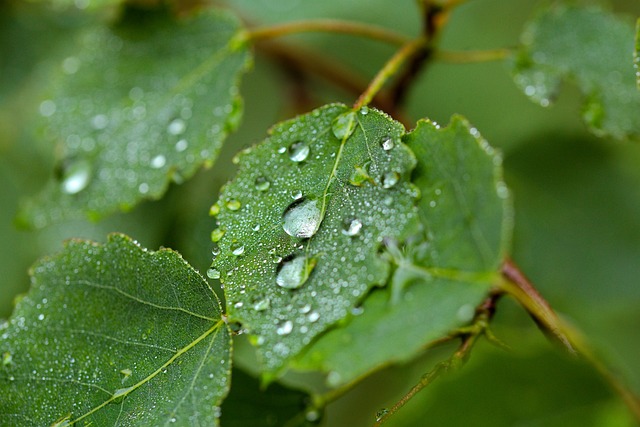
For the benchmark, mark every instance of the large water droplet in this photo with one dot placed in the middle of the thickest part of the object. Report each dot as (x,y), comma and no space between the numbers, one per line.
(262,183)
(285,328)
(177,127)
(294,272)
(352,227)
(359,176)
(158,161)
(262,305)
(181,145)
(302,218)
(390,179)
(387,143)
(216,235)
(237,248)
(213,273)
(233,205)
(76,177)
(344,125)
(299,151)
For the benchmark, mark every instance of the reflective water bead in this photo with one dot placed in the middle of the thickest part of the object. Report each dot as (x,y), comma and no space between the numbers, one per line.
(299,151)
(387,143)
(233,205)
(344,125)
(294,272)
(158,161)
(285,328)
(262,305)
(177,127)
(237,248)
(302,218)
(216,235)
(352,227)
(213,273)
(390,179)
(76,177)
(262,183)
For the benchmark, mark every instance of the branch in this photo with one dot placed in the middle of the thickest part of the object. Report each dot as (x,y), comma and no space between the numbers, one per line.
(463,57)
(518,286)
(479,327)
(327,25)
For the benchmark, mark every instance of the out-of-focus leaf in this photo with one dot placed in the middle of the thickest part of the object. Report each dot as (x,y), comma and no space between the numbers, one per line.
(248,404)
(441,278)
(112,334)
(301,224)
(142,103)
(636,54)
(595,49)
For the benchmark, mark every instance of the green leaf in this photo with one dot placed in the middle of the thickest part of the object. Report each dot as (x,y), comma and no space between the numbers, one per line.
(143,103)
(249,404)
(636,54)
(112,334)
(301,225)
(594,49)
(440,278)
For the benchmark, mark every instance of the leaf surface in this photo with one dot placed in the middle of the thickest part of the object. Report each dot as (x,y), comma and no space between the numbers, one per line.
(594,49)
(142,103)
(301,224)
(440,277)
(114,335)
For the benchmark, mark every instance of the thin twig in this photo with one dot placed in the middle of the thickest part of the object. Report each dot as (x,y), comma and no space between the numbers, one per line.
(484,313)
(330,26)
(518,286)
(388,70)
(468,56)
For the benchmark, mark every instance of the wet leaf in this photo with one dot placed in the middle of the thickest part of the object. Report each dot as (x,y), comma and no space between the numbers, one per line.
(636,54)
(440,277)
(301,224)
(112,334)
(592,48)
(143,103)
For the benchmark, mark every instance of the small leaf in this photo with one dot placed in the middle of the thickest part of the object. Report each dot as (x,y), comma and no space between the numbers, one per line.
(143,103)
(439,278)
(594,49)
(310,238)
(112,334)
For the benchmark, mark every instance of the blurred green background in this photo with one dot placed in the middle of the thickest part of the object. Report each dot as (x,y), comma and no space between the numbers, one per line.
(577,202)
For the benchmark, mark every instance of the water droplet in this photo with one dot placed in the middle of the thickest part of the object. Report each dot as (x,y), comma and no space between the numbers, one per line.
(282,150)
(294,272)
(71,65)
(256,227)
(466,313)
(76,177)
(237,248)
(216,235)
(143,188)
(262,183)
(47,108)
(213,273)
(158,161)
(359,176)
(344,125)
(313,316)
(299,151)
(233,205)
(121,392)
(302,218)
(381,413)
(262,305)
(177,127)
(364,110)
(41,317)
(214,210)
(387,143)
(296,194)
(181,145)
(285,328)
(7,358)
(390,179)
(352,227)
(99,121)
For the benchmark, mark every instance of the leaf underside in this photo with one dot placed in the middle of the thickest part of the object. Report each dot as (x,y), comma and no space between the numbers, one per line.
(114,335)
(441,275)
(594,49)
(142,103)
(344,195)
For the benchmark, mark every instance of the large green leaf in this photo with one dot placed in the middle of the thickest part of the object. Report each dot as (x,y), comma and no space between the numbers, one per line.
(114,335)
(301,225)
(142,103)
(636,53)
(593,48)
(440,278)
